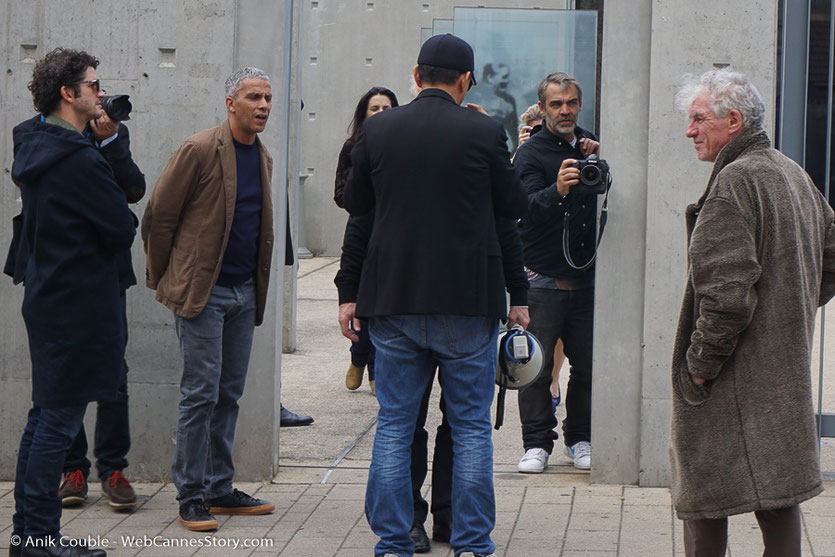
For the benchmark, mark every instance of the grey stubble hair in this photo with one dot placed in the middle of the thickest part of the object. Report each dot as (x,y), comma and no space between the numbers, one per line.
(236,80)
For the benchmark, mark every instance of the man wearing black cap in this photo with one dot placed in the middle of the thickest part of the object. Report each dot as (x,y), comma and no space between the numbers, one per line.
(435,176)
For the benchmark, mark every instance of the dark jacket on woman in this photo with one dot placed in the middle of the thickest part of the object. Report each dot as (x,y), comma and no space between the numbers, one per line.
(75,222)
(343,170)
(761,259)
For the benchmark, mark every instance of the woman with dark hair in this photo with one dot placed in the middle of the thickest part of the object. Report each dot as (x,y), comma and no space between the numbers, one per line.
(374,101)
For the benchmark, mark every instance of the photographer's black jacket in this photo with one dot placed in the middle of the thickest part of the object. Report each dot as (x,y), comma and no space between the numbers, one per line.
(538,163)
(125,171)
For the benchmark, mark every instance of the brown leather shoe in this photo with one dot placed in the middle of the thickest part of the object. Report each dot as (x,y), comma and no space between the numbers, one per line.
(353,379)
(73,490)
(117,490)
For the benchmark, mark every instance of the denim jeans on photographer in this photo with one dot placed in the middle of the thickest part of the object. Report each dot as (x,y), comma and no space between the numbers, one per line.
(40,460)
(215,347)
(407,348)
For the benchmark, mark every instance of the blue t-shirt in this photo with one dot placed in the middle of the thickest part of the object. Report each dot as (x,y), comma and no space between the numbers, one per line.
(241,257)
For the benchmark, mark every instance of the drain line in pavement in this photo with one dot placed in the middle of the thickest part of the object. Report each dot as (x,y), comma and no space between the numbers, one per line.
(348,450)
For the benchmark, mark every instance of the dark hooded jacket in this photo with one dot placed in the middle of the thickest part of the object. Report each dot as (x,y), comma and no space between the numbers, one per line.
(75,222)
(128,176)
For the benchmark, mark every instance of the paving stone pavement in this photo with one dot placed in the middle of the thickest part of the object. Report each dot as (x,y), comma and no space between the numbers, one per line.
(320,486)
(556,514)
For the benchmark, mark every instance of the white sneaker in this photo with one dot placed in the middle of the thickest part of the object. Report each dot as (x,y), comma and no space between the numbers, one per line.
(534,461)
(581,454)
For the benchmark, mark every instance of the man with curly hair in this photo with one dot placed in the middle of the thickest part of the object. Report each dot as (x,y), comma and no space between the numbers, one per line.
(76,222)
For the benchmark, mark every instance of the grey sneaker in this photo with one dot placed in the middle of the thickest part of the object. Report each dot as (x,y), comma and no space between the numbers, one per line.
(580,453)
(471,554)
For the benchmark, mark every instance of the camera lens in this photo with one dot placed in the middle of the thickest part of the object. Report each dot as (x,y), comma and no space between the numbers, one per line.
(118,107)
(590,175)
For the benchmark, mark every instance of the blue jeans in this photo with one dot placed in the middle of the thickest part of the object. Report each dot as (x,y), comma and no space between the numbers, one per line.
(407,348)
(40,460)
(215,346)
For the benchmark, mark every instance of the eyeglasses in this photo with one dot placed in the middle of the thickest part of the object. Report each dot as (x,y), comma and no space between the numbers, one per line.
(472,81)
(95,83)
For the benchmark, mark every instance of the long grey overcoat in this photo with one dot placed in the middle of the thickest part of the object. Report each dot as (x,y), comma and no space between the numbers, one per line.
(761,259)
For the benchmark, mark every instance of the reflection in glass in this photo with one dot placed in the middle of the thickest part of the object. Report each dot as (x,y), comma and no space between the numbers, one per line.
(516,48)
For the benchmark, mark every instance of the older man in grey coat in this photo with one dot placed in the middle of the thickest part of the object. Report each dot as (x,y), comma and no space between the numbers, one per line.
(761,259)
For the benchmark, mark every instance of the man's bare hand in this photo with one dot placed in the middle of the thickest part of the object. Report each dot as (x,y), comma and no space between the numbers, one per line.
(477,107)
(524,134)
(588,146)
(346,316)
(568,176)
(699,380)
(103,127)
(518,316)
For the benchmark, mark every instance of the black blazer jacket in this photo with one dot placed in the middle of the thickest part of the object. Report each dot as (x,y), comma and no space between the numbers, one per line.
(435,175)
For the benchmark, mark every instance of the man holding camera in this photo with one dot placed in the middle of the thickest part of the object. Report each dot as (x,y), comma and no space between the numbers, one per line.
(75,224)
(112,438)
(561,297)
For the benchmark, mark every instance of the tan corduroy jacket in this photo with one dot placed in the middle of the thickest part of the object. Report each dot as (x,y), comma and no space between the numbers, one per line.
(186,224)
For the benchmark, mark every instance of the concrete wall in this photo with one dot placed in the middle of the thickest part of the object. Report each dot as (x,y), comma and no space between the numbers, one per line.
(647,46)
(348,47)
(172,58)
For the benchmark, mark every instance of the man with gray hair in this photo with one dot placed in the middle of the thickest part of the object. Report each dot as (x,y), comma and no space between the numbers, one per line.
(761,259)
(208,236)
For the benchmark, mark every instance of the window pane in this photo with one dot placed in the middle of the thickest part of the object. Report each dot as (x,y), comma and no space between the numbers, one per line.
(516,48)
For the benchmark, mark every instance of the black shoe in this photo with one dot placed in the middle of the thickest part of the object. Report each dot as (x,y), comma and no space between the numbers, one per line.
(14,545)
(239,502)
(289,419)
(59,551)
(441,532)
(418,535)
(195,516)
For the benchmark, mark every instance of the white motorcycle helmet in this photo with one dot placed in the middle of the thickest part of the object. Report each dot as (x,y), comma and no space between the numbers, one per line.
(519,363)
(520,359)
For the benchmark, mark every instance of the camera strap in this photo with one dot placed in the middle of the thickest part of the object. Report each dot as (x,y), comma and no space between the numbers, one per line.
(604,213)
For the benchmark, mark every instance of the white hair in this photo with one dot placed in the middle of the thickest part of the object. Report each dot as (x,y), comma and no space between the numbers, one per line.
(726,90)
(236,80)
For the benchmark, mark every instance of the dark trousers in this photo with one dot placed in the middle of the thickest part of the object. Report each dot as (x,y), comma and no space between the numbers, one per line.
(566,315)
(362,351)
(781,530)
(40,459)
(112,441)
(441,466)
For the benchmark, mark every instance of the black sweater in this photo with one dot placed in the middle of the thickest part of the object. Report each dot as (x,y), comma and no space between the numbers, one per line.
(538,162)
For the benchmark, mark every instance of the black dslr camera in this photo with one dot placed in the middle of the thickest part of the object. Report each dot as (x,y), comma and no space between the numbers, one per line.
(118,107)
(594,176)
